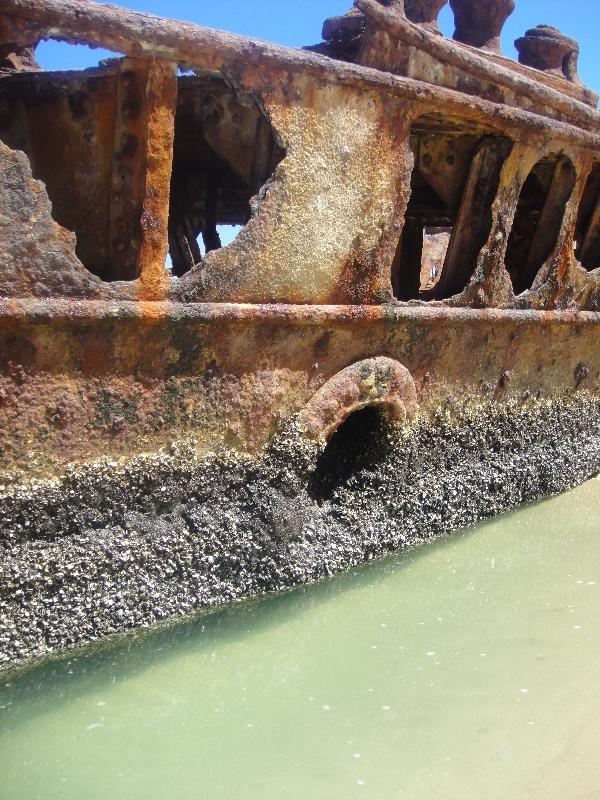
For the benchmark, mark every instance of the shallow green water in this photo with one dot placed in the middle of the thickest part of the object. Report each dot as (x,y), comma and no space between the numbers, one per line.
(468,669)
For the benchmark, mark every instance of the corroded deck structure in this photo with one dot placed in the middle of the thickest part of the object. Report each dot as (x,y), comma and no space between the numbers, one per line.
(164,423)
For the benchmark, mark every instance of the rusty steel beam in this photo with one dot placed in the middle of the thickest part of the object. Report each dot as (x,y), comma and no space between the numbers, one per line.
(161,103)
(83,312)
(128,171)
(146,99)
(144,35)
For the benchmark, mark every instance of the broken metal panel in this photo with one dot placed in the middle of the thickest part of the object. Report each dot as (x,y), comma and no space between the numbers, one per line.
(361,273)
(37,256)
(88,137)
(325,227)
(224,152)
(64,124)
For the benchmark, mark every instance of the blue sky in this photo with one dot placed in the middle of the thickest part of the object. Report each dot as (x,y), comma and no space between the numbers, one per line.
(299,23)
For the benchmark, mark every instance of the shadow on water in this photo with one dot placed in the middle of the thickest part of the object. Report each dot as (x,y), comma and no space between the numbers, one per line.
(93,668)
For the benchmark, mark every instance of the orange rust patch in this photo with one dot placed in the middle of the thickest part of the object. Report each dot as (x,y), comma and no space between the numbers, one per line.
(379,382)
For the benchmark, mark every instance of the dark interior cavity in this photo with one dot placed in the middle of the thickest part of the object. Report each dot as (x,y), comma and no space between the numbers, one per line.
(84,134)
(587,230)
(225,150)
(358,446)
(64,123)
(448,218)
(538,219)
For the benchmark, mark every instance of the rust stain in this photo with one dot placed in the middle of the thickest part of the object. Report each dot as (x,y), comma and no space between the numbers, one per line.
(336,164)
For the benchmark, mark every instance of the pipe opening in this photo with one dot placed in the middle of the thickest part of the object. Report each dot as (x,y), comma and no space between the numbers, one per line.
(353,453)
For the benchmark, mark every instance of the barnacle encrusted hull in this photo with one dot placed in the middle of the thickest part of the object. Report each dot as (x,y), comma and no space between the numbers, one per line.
(401,339)
(113,547)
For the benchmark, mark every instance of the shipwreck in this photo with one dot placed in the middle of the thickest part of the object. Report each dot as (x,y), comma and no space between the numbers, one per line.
(402,339)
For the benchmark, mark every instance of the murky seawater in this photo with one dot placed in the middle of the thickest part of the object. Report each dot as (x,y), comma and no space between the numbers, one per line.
(467,669)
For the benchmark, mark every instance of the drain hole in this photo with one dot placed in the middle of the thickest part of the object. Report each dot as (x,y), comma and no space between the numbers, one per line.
(360,444)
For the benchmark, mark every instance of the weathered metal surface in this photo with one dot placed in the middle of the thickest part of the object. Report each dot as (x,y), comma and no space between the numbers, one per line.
(145,35)
(64,123)
(336,171)
(355,195)
(374,382)
(397,45)
(420,234)
(17,45)
(161,98)
(37,255)
(79,380)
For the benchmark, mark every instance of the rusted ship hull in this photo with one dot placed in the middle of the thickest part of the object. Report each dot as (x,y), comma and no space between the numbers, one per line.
(312,395)
(204,488)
